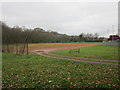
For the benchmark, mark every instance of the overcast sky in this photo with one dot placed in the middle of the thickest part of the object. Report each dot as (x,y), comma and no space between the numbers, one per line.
(64,17)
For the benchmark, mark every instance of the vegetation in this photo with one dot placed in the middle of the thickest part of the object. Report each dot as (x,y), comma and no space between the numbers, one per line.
(38,35)
(33,71)
(99,51)
(19,37)
(16,39)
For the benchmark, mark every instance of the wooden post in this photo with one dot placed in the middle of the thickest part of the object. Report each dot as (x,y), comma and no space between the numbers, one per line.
(24,44)
(16,48)
(27,47)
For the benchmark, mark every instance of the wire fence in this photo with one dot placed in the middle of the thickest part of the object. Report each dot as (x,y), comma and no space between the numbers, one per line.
(112,43)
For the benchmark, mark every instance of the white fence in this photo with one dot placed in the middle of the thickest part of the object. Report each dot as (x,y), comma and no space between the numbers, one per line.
(112,43)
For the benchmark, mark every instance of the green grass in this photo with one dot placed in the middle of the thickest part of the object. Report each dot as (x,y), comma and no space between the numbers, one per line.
(99,51)
(35,71)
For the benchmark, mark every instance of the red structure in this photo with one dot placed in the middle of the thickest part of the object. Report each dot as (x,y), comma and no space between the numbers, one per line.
(113,37)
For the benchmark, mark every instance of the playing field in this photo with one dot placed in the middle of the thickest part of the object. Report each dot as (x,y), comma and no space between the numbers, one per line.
(35,71)
(98,51)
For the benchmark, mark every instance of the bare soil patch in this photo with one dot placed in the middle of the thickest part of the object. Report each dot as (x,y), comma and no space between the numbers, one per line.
(58,46)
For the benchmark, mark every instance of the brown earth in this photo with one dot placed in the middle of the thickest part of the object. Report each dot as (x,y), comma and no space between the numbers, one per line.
(58,46)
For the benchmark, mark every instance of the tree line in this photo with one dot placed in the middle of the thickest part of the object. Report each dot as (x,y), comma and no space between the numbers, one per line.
(17,35)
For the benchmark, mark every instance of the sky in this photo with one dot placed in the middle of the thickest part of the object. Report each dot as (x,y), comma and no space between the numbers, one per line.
(71,18)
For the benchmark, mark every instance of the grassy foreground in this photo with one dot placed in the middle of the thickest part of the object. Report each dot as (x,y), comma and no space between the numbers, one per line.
(35,71)
(99,51)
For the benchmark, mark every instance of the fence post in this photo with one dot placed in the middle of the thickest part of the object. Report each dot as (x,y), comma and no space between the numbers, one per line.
(27,47)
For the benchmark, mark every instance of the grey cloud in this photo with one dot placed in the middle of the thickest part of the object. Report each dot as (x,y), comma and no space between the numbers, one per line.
(69,18)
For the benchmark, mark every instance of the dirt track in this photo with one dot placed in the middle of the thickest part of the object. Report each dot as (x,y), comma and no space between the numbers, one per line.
(58,46)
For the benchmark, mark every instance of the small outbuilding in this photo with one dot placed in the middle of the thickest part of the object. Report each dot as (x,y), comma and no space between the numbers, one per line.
(113,40)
